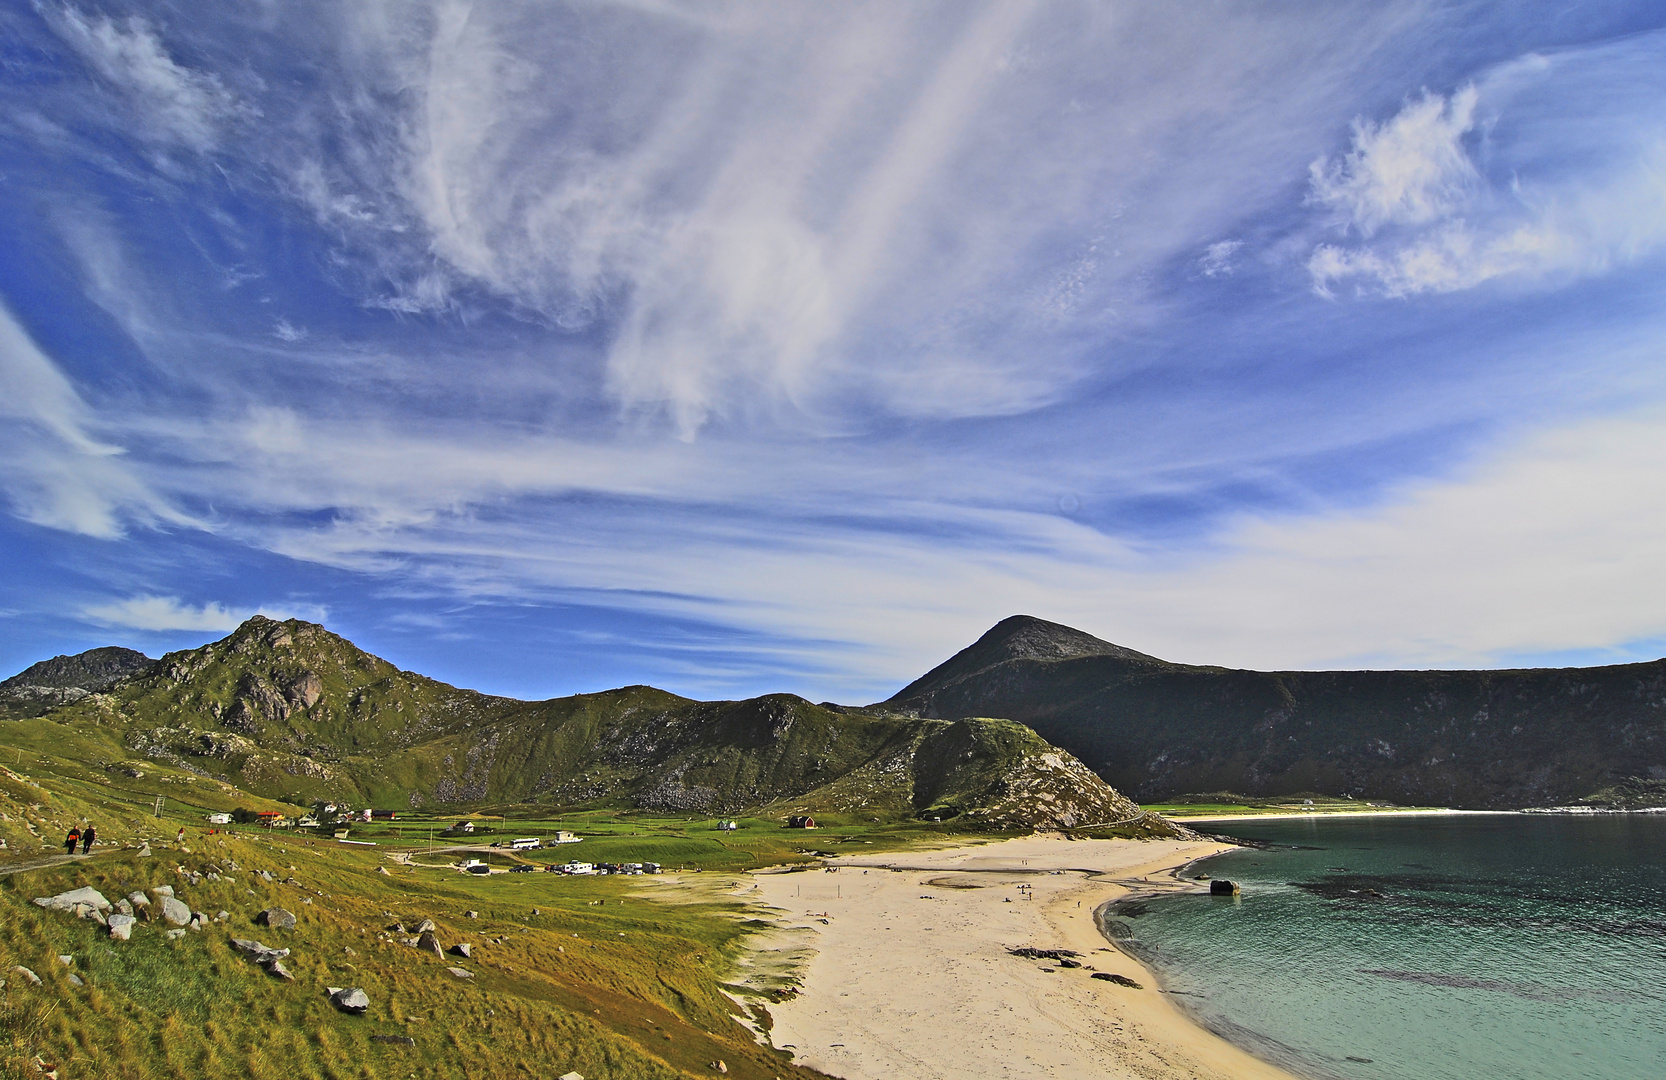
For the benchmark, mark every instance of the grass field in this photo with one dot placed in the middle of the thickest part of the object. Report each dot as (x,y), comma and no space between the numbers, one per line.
(593,975)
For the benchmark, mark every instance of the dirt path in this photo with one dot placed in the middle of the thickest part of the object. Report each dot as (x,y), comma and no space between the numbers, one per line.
(8,869)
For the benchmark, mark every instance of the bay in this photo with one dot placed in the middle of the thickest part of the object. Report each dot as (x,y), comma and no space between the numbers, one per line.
(1513,946)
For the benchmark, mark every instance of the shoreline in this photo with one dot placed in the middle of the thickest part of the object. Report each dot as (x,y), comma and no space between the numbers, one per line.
(1277,815)
(906,970)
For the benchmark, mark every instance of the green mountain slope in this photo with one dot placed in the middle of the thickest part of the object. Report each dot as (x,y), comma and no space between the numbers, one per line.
(1461,738)
(289,710)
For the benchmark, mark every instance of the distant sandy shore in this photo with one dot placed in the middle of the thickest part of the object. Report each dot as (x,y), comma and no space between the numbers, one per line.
(1268,815)
(911,978)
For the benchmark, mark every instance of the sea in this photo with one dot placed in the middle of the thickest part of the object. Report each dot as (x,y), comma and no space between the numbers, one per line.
(1461,947)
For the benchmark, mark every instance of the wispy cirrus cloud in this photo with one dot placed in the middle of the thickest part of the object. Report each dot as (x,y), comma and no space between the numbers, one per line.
(57,471)
(162,614)
(173,104)
(1455,191)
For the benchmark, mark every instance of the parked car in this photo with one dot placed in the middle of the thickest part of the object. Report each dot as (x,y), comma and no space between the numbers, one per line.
(522,868)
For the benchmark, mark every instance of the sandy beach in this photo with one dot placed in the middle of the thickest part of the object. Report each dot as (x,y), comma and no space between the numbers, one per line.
(910,975)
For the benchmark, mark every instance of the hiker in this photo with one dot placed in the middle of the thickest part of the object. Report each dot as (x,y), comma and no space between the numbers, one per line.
(87,839)
(71,840)
(180,839)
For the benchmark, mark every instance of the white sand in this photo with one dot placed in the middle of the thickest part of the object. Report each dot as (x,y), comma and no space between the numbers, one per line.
(911,979)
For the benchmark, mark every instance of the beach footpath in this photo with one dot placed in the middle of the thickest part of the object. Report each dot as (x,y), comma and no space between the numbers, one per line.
(908,972)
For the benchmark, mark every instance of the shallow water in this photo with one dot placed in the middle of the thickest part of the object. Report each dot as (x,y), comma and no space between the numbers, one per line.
(1426,948)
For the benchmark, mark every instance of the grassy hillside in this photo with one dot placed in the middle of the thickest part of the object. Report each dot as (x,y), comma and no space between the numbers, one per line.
(1460,738)
(291,712)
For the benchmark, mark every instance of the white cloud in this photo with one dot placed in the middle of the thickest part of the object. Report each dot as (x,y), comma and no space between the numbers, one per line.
(1216,260)
(1412,170)
(56,472)
(164,613)
(819,213)
(284,330)
(1425,218)
(175,104)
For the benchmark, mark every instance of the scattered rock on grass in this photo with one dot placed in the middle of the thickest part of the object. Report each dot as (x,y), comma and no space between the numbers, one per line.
(28,976)
(175,935)
(121,927)
(423,927)
(427,942)
(175,912)
(86,897)
(354,1001)
(277,918)
(464,949)
(461,973)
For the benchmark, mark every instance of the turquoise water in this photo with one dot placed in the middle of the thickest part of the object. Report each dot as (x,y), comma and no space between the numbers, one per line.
(1427,948)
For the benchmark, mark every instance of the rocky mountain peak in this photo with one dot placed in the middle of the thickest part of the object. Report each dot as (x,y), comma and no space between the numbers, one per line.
(93,670)
(1018,637)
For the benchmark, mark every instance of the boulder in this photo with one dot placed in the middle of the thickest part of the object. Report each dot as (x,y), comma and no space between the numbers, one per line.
(424,927)
(175,935)
(471,914)
(276,969)
(354,1001)
(139,900)
(28,976)
(74,979)
(1223,887)
(266,875)
(67,961)
(124,906)
(262,953)
(277,918)
(461,973)
(427,942)
(464,949)
(175,912)
(570,1076)
(162,890)
(86,897)
(121,927)
(144,852)
(1120,980)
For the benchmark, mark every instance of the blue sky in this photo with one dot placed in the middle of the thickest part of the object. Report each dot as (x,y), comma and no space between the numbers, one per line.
(734,348)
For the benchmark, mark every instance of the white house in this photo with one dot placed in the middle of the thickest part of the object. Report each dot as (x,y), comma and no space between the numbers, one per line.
(219,819)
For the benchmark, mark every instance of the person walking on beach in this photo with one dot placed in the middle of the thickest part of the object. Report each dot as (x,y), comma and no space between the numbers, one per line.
(87,839)
(71,840)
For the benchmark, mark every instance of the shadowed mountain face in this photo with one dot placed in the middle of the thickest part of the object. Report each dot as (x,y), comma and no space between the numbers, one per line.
(64,679)
(289,709)
(1461,738)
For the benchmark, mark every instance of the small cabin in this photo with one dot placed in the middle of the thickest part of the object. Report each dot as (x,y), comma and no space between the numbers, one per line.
(562,836)
(801,821)
(462,826)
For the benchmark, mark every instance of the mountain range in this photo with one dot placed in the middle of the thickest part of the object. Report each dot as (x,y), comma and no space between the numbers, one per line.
(998,733)
(289,710)
(1157,730)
